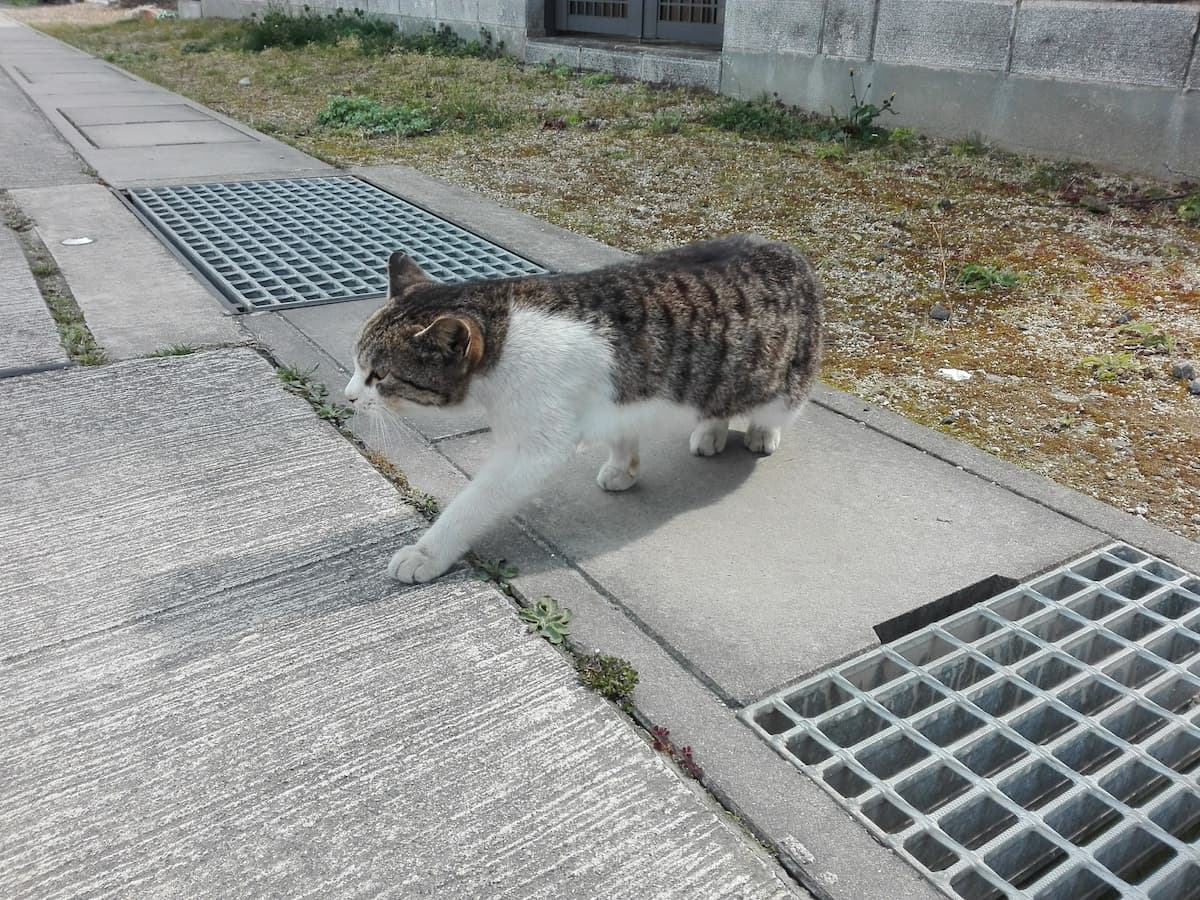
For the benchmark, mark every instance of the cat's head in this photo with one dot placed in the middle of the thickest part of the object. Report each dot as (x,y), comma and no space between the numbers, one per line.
(410,354)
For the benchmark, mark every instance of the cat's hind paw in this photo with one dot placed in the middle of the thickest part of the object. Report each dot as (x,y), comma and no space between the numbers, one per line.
(614,478)
(412,565)
(762,440)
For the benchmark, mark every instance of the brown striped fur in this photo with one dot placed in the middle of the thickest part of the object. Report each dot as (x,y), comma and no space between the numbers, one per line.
(721,326)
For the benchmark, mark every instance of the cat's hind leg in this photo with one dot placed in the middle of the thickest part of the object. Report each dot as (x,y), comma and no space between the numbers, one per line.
(620,472)
(709,437)
(767,423)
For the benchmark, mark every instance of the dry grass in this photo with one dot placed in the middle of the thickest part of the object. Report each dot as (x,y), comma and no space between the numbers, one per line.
(881,225)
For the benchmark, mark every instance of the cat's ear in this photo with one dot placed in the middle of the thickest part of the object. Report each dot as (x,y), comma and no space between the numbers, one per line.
(458,337)
(403,273)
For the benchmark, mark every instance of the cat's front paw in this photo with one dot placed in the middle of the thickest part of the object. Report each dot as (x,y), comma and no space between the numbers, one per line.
(414,565)
(614,478)
(709,438)
(762,440)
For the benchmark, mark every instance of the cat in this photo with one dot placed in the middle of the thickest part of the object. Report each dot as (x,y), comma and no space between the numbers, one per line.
(719,328)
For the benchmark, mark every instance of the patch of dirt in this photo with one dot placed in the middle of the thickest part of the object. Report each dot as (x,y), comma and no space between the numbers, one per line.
(1060,383)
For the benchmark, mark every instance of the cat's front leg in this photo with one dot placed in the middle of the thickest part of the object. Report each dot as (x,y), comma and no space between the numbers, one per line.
(503,483)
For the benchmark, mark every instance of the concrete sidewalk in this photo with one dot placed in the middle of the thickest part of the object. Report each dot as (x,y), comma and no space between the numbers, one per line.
(720,579)
(210,689)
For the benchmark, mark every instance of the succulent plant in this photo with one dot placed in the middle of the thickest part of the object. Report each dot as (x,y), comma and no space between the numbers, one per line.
(548,619)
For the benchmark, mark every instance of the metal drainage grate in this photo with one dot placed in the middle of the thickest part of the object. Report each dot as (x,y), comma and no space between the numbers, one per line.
(271,244)
(1043,744)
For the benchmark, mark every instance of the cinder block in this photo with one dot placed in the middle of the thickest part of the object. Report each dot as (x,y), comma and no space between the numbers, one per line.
(1125,43)
(774,26)
(189,9)
(457,10)
(384,9)
(621,64)
(848,28)
(504,12)
(542,52)
(944,34)
(702,74)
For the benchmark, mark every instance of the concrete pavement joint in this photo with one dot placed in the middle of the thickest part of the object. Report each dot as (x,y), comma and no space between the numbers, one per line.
(77,339)
(574,651)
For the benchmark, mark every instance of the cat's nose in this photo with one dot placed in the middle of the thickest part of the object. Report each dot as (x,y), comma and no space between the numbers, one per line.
(351,392)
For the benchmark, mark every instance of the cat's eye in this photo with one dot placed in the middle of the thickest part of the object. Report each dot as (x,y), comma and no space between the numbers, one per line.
(374,376)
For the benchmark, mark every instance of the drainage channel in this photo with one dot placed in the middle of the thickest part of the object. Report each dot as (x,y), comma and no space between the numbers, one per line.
(305,241)
(1044,744)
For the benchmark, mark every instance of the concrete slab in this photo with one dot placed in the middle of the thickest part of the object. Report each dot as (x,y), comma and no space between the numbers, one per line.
(136,297)
(832,854)
(257,711)
(759,571)
(28,336)
(54,77)
(80,116)
(163,134)
(31,152)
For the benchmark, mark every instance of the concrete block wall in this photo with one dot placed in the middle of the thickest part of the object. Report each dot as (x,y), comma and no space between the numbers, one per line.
(508,21)
(1110,81)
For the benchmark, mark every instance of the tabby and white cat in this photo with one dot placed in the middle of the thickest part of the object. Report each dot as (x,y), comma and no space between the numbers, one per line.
(720,328)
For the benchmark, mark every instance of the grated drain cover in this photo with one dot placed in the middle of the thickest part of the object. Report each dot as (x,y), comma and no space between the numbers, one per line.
(272,244)
(1043,744)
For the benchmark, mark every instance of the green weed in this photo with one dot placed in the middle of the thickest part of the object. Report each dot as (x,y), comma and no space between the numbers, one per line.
(666,121)
(981,277)
(301,383)
(368,116)
(608,676)
(1110,366)
(1189,209)
(760,118)
(548,619)
(598,79)
(174,350)
(971,145)
(1148,337)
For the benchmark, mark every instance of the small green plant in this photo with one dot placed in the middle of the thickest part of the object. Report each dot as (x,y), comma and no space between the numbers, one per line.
(43,267)
(1110,366)
(426,504)
(555,70)
(1148,337)
(547,619)
(831,151)
(497,572)
(666,121)
(1189,209)
(902,137)
(368,116)
(197,47)
(681,755)
(761,118)
(301,383)
(859,122)
(971,145)
(609,676)
(174,350)
(598,79)
(980,277)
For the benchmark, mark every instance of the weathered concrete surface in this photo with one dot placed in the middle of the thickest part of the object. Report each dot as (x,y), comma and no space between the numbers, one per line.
(693,67)
(1127,43)
(136,297)
(832,853)
(759,571)
(212,690)
(131,153)
(33,154)
(28,337)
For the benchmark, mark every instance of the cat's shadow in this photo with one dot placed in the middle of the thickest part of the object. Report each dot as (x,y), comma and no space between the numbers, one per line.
(576,518)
